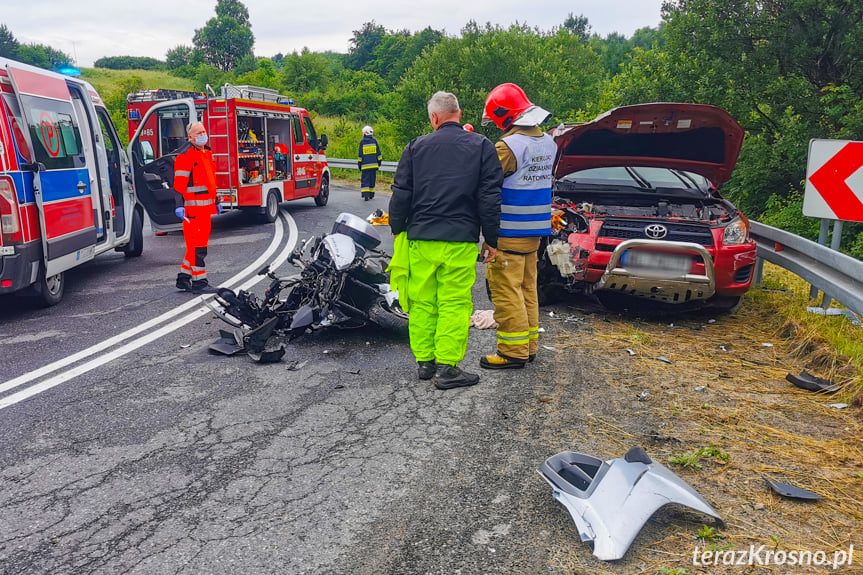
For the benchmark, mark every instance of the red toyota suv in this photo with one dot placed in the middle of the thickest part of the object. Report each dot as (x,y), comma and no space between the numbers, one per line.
(637,214)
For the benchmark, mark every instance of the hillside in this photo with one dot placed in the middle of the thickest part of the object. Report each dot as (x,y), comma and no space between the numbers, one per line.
(105,80)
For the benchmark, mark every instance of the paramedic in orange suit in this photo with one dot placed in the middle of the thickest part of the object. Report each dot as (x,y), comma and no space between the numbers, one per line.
(195,181)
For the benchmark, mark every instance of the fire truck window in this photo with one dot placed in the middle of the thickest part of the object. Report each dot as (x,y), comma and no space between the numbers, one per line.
(298,130)
(310,132)
(54,134)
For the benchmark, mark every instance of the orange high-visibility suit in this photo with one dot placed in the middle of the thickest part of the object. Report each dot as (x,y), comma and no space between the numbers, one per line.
(195,180)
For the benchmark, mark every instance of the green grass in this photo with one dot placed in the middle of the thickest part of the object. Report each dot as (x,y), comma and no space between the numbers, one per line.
(691,459)
(105,80)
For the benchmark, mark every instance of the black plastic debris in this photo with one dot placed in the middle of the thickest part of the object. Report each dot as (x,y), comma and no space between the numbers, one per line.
(792,492)
(811,382)
(227,343)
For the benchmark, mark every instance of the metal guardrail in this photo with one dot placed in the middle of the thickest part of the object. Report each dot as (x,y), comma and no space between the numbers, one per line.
(352,164)
(830,271)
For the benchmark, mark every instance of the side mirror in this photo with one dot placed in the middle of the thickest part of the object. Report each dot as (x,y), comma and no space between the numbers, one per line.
(324,141)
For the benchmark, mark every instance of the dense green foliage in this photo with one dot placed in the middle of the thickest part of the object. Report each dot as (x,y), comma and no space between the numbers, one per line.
(129,63)
(33,54)
(226,39)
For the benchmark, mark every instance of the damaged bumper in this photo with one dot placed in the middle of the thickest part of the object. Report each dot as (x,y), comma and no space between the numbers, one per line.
(660,270)
(610,501)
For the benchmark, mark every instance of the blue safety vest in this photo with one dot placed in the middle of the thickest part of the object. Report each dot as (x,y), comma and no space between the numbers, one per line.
(525,200)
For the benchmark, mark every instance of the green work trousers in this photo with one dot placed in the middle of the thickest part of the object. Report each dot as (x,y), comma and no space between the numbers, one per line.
(442,275)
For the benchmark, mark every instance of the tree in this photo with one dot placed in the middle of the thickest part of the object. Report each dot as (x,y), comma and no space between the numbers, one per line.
(227,38)
(363,44)
(8,43)
(129,63)
(42,56)
(577,26)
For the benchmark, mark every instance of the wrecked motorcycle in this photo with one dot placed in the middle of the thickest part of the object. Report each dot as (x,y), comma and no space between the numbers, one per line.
(342,283)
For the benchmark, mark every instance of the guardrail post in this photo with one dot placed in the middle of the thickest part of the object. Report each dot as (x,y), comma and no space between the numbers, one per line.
(835,242)
(822,239)
(758,274)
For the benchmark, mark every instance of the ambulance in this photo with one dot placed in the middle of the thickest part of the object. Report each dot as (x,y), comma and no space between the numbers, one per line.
(266,150)
(66,185)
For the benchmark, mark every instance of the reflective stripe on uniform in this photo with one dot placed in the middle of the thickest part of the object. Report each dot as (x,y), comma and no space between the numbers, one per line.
(196,189)
(534,333)
(199,203)
(525,225)
(371,167)
(182,173)
(539,210)
(512,338)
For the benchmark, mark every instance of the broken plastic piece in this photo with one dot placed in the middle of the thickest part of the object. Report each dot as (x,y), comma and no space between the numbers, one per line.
(811,382)
(227,343)
(629,351)
(786,490)
(610,501)
(836,405)
(664,359)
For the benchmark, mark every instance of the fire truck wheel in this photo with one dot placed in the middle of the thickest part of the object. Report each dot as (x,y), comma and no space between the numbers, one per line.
(324,194)
(50,290)
(136,241)
(271,211)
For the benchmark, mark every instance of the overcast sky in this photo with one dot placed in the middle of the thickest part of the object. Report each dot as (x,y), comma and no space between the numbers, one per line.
(90,29)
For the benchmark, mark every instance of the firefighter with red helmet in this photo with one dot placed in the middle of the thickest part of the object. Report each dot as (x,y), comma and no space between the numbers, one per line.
(526,155)
(368,162)
(195,181)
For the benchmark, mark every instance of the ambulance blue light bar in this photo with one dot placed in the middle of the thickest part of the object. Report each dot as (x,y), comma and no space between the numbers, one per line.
(69,71)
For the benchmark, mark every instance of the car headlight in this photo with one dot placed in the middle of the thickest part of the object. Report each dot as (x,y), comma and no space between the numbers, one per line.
(736,232)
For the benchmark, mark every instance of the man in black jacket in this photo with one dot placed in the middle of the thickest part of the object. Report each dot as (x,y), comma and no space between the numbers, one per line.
(446,188)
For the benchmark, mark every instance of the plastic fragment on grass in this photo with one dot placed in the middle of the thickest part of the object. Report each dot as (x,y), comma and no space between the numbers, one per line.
(811,382)
(664,359)
(629,351)
(836,405)
(792,492)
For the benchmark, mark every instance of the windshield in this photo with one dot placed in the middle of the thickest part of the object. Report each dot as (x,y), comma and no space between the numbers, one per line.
(643,178)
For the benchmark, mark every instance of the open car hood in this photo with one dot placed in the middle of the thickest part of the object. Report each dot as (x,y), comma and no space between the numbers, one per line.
(698,138)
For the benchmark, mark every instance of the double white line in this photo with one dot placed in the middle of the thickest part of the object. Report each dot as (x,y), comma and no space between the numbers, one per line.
(196,308)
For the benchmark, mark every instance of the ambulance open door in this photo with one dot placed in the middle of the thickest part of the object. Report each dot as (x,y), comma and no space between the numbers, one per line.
(154,176)
(61,179)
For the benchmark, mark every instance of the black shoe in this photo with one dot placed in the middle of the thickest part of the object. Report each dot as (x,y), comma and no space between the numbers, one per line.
(426,369)
(450,376)
(531,358)
(184,282)
(202,286)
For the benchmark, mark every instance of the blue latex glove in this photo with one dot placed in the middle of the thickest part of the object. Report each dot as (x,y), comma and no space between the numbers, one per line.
(218,208)
(180,213)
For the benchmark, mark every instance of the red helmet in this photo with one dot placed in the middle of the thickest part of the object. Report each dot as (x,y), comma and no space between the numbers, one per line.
(504,104)
(468,127)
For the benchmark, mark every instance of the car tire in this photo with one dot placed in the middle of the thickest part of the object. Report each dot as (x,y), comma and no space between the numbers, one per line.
(324,193)
(135,247)
(49,290)
(271,209)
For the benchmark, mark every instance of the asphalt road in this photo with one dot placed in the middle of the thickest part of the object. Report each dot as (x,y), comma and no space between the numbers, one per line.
(163,458)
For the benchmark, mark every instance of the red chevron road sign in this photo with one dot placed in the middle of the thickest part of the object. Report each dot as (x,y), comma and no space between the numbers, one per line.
(834,180)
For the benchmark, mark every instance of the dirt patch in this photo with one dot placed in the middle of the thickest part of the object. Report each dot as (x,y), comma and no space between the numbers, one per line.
(679,386)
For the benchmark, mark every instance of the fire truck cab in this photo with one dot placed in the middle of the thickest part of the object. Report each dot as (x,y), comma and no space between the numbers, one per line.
(66,192)
(266,150)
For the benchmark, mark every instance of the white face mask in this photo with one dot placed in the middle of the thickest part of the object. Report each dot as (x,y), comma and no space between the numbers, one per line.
(201,140)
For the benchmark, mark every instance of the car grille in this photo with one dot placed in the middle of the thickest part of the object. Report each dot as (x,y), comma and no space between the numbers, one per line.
(629,230)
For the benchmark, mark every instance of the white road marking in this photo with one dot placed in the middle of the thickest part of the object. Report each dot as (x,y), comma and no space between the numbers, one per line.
(141,341)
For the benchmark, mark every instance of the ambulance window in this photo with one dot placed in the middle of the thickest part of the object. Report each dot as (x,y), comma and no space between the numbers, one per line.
(16,122)
(54,134)
(298,130)
(147,151)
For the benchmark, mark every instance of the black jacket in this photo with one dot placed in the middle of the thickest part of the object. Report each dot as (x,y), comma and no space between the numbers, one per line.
(447,186)
(368,156)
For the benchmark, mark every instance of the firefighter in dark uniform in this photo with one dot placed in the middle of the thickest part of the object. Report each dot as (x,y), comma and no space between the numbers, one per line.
(369,160)
(526,155)
(195,181)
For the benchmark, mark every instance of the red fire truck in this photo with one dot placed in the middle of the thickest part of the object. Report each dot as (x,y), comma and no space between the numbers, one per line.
(266,149)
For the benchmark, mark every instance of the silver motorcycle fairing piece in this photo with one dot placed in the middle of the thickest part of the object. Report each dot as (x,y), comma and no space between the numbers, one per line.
(342,250)
(610,501)
(391,297)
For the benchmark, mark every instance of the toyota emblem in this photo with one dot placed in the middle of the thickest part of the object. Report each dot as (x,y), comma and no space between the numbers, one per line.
(656,231)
